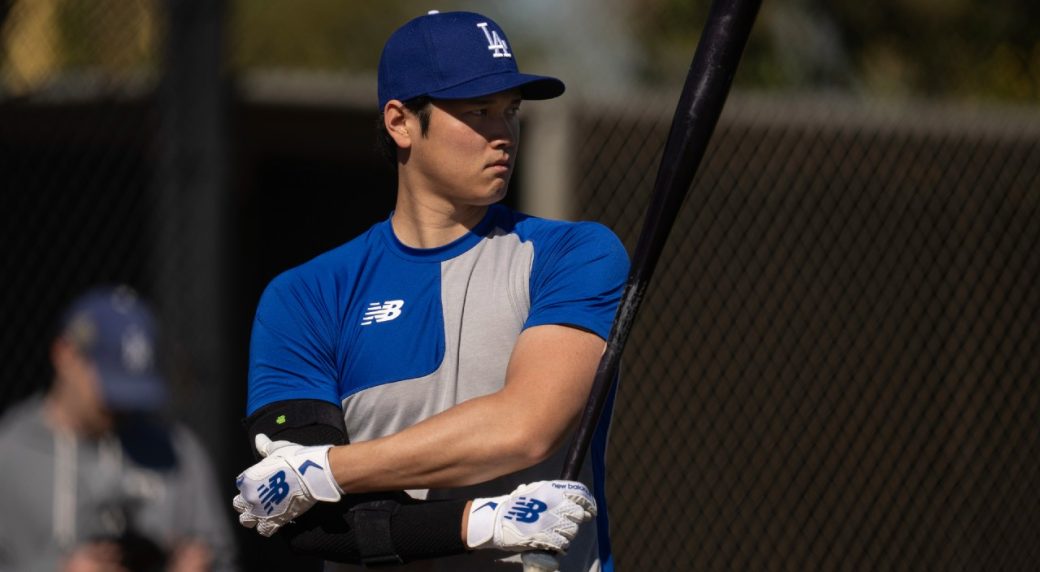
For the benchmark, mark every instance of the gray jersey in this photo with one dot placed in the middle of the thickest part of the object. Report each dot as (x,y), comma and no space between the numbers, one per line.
(59,491)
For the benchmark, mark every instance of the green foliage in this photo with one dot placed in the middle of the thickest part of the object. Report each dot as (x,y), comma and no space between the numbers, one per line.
(962,48)
(317,34)
(112,35)
(968,49)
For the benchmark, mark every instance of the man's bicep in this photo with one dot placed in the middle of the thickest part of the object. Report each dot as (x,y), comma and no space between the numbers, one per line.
(580,282)
(549,376)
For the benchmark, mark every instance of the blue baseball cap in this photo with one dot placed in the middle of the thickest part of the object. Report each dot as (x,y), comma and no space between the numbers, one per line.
(114,328)
(454,55)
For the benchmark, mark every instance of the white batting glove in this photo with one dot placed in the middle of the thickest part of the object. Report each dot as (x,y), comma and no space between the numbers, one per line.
(543,515)
(288,481)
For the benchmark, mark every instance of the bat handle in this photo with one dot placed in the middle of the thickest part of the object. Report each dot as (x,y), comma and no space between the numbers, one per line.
(540,561)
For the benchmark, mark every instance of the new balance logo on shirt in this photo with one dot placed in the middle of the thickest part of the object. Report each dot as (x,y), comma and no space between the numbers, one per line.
(382,311)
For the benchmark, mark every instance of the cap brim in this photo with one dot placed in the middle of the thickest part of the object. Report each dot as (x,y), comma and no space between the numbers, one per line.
(530,86)
(133,393)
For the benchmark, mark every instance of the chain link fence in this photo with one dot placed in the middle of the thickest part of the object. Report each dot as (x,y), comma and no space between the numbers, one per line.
(75,142)
(834,366)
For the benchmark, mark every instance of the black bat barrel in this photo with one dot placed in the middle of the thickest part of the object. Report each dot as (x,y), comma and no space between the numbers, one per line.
(700,105)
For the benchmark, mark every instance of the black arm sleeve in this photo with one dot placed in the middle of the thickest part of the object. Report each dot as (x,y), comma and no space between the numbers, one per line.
(303,421)
(417,529)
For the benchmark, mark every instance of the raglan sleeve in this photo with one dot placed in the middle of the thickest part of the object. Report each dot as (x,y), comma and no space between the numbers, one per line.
(577,278)
(292,352)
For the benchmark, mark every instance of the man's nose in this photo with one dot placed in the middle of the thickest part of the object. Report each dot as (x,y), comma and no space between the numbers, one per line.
(503,133)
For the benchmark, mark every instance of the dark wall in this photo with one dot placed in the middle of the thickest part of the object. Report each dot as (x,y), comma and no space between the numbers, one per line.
(78,209)
(74,212)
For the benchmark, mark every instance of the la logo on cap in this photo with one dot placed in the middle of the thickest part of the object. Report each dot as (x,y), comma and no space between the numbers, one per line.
(137,351)
(495,42)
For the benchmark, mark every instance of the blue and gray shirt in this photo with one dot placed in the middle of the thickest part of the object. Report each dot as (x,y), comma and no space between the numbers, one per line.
(395,334)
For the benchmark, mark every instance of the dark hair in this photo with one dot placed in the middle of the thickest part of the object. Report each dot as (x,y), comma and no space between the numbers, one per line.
(385,144)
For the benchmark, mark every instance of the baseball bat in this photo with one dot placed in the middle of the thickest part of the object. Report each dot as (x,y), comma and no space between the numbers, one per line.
(700,104)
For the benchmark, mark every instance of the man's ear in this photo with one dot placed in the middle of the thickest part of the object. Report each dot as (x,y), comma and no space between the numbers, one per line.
(395,119)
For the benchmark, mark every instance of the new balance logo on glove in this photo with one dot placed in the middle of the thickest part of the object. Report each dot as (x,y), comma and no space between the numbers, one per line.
(543,515)
(274,491)
(526,510)
(283,484)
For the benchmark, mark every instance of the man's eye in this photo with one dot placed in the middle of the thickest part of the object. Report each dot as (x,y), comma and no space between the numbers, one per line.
(479,112)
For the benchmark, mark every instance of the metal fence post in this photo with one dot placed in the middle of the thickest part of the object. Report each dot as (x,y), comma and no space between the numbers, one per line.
(192,219)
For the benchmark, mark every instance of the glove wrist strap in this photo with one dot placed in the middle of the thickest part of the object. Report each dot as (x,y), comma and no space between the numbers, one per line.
(313,467)
(480,530)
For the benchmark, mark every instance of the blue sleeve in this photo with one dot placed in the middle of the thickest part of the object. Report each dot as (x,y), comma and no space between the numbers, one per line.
(577,279)
(292,353)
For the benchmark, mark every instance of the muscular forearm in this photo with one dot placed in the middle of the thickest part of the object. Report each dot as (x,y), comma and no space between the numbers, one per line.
(385,526)
(473,442)
(546,385)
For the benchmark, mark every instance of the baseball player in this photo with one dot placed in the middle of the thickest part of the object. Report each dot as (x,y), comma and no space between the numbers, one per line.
(446,351)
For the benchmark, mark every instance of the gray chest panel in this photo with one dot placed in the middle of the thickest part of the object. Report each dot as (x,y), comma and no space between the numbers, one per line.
(485,301)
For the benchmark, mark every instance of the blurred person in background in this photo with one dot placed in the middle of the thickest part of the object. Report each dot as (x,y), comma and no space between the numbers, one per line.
(99,480)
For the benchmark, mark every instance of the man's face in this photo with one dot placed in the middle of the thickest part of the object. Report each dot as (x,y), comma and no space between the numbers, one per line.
(468,153)
(81,383)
